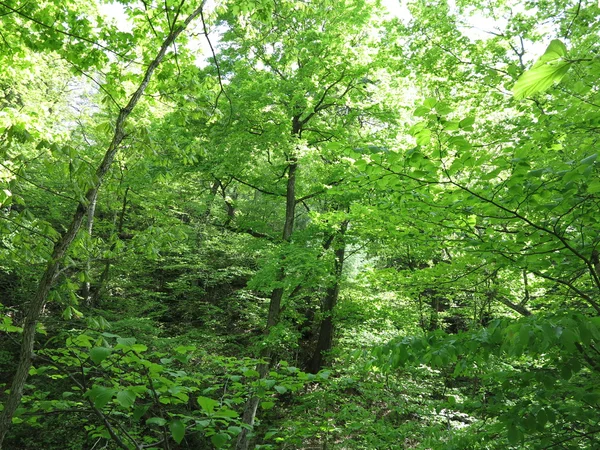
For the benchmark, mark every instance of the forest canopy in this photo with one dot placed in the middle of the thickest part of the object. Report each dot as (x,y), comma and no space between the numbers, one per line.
(299,224)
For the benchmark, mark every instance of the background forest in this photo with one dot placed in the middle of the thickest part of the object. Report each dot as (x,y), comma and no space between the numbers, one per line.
(299,224)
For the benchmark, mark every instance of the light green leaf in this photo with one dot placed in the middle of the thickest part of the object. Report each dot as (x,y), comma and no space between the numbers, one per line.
(430,102)
(467,122)
(208,405)
(99,354)
(126,398)
(101,395)
(125,342)
(139,348)
(594,187)
(281,389)
(555,50)
(460,142)
(551,67)
(421,111)
(443,109)
(269,383)
(226,413)
(324,374)
(177,428)
(423,137)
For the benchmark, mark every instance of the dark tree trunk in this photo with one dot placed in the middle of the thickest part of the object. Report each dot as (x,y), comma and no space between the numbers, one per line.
(326,327)
(243,442)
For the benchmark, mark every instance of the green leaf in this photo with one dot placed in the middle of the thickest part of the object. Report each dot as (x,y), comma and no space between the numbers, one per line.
(267,405)
(324,374)
(177,428)
(556,50)
(99,354)
(550,68)
(536,173)
(126,398)
(430,102)
(565,372)
(270,434)
(139,411)
(594,187)
(514,435)
(467,122)
(251,373)
(110,335)
(101,395)
(443,109)
(281,389)
(226,413)
(421,111)
(125,342)
(219,439)
(208,405)
(269,383)
(423,137)
(524,335)
(460,142)
(156,421)
(234,430)
(589,160)
(451,125)
(139,348)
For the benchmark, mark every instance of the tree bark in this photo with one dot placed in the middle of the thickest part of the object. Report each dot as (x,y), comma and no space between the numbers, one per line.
(87,293)
(329,302)
(64,242)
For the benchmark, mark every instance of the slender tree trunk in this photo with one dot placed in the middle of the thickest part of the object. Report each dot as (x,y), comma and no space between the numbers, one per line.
(64,242)
(329,302)
(87,294)
(276,295)
(214,189)
(105,275)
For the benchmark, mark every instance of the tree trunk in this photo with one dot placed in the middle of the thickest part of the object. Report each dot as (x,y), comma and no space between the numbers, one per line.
(105,275)
(277,293)
(64,242)
(87,294)
(329,302)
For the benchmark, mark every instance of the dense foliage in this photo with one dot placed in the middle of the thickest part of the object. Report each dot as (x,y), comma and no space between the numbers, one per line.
(299,224)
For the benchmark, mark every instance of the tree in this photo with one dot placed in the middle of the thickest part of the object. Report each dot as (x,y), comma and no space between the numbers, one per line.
(63,243)
(343,229)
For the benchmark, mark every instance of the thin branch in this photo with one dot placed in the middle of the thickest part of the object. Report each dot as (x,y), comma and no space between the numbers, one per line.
(25,227)
(250,231)
(219,75)
(319,192)
(517,215)
(566,36)
(67,33)
(264,191)
(39,186)
(93,80)
(556,444)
